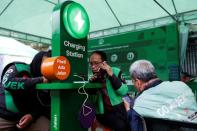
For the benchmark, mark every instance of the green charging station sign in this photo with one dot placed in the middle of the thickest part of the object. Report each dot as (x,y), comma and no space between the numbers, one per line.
(69,37)
(76,20)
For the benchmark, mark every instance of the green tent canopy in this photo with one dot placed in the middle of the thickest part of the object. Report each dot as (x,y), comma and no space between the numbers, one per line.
(33,17)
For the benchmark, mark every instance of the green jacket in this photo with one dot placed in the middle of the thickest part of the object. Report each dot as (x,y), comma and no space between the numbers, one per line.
(114,95)
(18,95)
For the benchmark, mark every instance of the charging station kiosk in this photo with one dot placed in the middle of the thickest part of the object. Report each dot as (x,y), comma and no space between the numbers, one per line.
(70,27)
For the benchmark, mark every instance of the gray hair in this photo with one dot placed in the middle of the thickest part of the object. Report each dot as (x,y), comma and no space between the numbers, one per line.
(142,70)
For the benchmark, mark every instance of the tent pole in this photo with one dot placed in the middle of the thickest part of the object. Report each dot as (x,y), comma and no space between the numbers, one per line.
(166,11)
(113,13)
(51,2)
(6,7)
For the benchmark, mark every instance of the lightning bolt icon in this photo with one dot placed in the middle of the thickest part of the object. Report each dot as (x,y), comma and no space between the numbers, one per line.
(78,19)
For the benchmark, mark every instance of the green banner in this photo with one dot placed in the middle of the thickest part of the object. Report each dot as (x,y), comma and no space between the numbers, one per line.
(159,45)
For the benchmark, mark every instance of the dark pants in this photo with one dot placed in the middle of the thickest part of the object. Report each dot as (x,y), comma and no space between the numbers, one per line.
(115,118)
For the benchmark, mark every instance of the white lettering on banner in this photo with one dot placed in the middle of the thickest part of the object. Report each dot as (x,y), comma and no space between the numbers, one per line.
(61,73)
(55,121)
(175,103)
(74,54)
(61,61)
(74,46)
(48,63)
(61,67)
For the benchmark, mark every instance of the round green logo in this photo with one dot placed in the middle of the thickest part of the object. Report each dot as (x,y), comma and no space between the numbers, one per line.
(76,20)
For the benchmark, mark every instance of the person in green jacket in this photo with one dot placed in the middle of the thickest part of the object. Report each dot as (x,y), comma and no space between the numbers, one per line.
(22,107)
(110,109)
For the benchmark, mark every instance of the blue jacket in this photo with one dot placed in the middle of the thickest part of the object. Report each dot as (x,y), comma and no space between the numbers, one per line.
(135,121)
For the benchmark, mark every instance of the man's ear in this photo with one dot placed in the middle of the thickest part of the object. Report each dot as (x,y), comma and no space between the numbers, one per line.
(137,82)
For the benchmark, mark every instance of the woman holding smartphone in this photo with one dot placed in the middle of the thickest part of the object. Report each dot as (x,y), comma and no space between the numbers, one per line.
(109,105)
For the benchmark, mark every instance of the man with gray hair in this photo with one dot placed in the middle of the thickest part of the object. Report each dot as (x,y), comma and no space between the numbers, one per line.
(171,100)
(143,73)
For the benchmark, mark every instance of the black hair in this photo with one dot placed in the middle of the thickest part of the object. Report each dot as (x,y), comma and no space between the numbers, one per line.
(35,65)
(101,53)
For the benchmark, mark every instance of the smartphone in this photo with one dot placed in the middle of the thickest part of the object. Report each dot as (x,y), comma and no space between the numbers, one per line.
(127,98)
(101,74)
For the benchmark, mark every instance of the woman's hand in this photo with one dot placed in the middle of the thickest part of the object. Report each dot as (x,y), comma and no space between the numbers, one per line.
(107,68)
(45,80)
(94,77)
(24,121)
